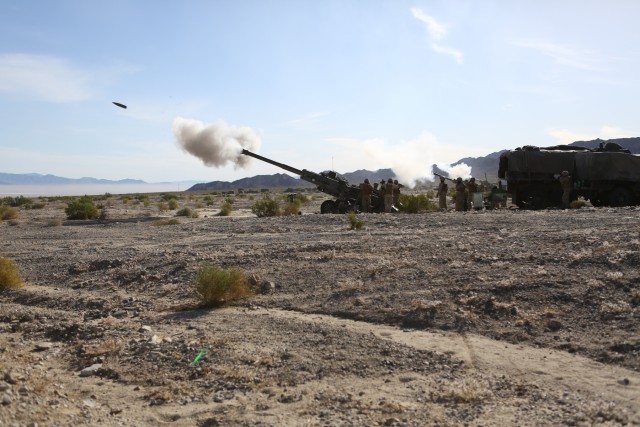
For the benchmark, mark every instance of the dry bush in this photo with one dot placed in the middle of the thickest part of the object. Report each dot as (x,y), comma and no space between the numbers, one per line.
(8,213)
(9,274)
(610,310)
(215,286)
(163,206)
(109,346)
(465,391)
(291,208)
(577,204)
(54,222)
(172,221)
(187,212)
(225,209)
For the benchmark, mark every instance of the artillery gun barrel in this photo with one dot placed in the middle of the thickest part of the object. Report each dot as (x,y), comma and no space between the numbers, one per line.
(442,176)
(273,162)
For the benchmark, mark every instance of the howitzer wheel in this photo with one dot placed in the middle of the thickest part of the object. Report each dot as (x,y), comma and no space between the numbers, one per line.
(620,197)
(328,207)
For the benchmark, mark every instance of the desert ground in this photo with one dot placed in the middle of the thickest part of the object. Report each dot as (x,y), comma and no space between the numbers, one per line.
(480,318)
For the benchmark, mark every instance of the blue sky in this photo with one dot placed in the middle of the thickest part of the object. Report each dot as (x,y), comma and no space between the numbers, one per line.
(343,84)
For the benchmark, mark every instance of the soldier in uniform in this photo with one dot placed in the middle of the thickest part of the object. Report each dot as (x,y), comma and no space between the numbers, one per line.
(396,193)
(388,195)
(460,187)
(443,189)
(365,192)
(566,184)
(472,187)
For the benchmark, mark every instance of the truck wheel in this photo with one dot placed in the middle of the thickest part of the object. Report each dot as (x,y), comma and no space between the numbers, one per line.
(538,200)
(328,207)
(620,197)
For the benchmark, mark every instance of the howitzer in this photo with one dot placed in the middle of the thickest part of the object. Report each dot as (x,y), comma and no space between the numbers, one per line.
(330,182)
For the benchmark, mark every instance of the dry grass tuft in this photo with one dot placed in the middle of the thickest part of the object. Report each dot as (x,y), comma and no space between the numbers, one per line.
(9,275)
(465,391)
(110,346)
(172,221)
(216,286)
(8,213)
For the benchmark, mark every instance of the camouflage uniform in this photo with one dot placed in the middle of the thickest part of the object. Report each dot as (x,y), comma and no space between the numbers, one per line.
(388,195)
(460,187)
(472,187)
(366,190)
(566,184)
(443,189)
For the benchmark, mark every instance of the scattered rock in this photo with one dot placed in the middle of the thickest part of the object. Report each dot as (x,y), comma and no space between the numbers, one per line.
(91,370)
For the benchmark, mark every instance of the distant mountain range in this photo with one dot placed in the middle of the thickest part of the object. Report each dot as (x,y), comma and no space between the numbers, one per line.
(38,179)
(480,167)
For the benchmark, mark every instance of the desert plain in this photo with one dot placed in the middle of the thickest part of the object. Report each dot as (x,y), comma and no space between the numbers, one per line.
(480,318)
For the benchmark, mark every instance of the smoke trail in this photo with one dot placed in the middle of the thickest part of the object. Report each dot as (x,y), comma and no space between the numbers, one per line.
(217,144)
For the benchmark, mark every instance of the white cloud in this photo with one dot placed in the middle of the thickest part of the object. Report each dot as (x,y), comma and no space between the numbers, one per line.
(307,121)
(437,32)
(570,56)
(44,77)
(565,136)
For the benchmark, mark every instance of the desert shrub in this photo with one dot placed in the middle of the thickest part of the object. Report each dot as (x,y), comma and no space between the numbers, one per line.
(163,206)
(172,221)
(200,205)
(410,203)
(266,207)
(167,197)
(14,222)
(9,275)
(291,208)
(8,213)
(82,208)
(216,286)
(38,205)
(208,200)
(229,200)
(55,222)
(577,204)
(431,194)
(173,204)
(225,209)
(187,212)
(354,222)
(125,199)
(17,201)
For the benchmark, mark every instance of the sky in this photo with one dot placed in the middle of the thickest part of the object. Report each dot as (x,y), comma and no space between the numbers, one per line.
(332,84)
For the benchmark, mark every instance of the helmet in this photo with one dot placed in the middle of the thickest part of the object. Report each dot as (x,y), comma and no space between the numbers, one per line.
(459,179)
(565,173)
(366,180)
(473,179)
(390,180)
(442,178)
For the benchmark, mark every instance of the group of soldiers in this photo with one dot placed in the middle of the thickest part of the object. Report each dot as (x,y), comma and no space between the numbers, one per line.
(388,192)
(463,197)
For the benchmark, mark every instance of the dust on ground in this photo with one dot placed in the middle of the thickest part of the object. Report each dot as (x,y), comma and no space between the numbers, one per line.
(479,318)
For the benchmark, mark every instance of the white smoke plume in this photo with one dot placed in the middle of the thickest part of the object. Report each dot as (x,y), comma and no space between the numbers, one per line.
(461,170)
(216,144)
(411,161)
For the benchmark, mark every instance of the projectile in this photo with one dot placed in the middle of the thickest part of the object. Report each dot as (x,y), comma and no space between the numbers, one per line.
(120,105)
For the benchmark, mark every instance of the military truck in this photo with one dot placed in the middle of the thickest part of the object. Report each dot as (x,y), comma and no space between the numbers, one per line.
(606,176)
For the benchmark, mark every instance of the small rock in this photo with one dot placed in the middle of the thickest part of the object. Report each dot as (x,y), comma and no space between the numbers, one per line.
(267,287)
(6,399)
(119,313)
(4,386)
(91,370)
(10,377)
(145,328)
(624,381)
(42,346)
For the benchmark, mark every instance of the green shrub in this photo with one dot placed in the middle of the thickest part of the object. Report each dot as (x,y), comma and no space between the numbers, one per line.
(38,205)
(187,212)
(8,213)
(215,286)
(266,207)
(9,275)
(82,208)
(163,206)
(355,223)
(208,200)
(17,201)
(416,203)
(173,204)
(225,209)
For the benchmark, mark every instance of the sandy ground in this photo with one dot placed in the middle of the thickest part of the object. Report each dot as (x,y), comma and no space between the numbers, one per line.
(485,318)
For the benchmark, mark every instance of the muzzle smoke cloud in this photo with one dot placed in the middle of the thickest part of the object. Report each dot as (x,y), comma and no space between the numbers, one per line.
(216,144)
(412,161)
